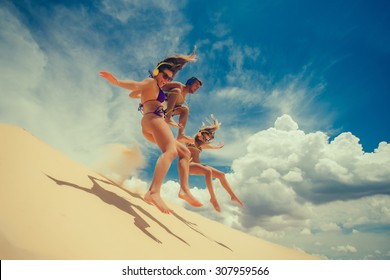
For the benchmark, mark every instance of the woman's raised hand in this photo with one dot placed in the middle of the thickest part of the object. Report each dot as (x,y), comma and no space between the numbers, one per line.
(109,77)
(220,146)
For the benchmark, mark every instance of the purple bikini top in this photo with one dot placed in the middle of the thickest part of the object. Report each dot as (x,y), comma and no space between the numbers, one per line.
(161,93)
(160,98)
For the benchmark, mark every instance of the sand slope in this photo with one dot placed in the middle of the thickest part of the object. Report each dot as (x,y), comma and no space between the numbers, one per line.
(52,207)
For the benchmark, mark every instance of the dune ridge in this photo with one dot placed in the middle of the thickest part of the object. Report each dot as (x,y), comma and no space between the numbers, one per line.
(52,207)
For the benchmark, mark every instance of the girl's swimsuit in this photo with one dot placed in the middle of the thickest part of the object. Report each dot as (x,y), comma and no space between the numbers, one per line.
(196,147)
(160,109)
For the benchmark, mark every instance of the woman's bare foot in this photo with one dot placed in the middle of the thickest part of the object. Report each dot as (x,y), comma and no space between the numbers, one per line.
(171,122)
(215,204)
(185,139)
(235,198)
(187,196)
(155,199)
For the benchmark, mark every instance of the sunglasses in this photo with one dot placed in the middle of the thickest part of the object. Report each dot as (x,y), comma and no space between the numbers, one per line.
(166,76)
(206,137)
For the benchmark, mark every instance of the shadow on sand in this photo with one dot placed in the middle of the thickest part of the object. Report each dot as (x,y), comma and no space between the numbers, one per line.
(120,203)
(129,208)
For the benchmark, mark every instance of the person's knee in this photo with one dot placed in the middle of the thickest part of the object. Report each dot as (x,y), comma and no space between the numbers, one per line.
(185,110)
(221,176)
(208,173)
(171,154)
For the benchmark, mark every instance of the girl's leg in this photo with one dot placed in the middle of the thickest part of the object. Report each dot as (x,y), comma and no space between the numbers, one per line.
(157,131)
(199,169)
(183,167)
(225,184)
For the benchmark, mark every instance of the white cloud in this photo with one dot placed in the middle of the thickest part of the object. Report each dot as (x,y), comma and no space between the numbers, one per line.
(285,123)
(22,69)
(145,34)
(130,11)
(219,28)
(330,227)
(345,249)
(294,176)
(290,180)
(239,96)
(54,88)
(319,166)
(306,231)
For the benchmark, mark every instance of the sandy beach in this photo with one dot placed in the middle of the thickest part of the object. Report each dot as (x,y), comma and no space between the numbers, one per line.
(52,207)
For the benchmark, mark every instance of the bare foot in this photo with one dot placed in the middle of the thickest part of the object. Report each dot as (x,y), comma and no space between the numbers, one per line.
(215,204)
(185,139)
(156,200)
(187,196)
(235,198)
(171,122)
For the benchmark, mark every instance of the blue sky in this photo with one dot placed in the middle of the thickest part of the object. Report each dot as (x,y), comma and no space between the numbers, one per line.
(301,88)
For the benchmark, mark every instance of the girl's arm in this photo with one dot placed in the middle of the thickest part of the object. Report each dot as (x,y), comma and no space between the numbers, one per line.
(127,84)
(212,147)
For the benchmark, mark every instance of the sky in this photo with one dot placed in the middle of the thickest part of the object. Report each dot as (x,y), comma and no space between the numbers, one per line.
(301,89)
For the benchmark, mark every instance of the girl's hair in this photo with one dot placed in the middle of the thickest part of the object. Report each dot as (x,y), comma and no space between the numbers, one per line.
(207,129)
(177,62)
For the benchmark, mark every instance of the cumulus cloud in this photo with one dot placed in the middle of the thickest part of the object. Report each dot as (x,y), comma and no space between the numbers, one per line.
(345,249)
(303,184)
(306,231)
(284,168)
(330,227)
(316,169)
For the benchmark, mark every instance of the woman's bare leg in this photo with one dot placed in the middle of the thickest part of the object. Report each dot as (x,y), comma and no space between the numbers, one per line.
(157,131)
(183,168)
(225,184)
(199,169)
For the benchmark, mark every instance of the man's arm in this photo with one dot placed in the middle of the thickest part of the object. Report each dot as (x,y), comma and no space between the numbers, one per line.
(172,85)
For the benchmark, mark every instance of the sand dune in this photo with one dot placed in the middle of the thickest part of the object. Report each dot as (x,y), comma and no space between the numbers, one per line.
(52,207)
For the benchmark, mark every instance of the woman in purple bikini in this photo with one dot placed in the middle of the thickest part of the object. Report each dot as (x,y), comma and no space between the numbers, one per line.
(156,130)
